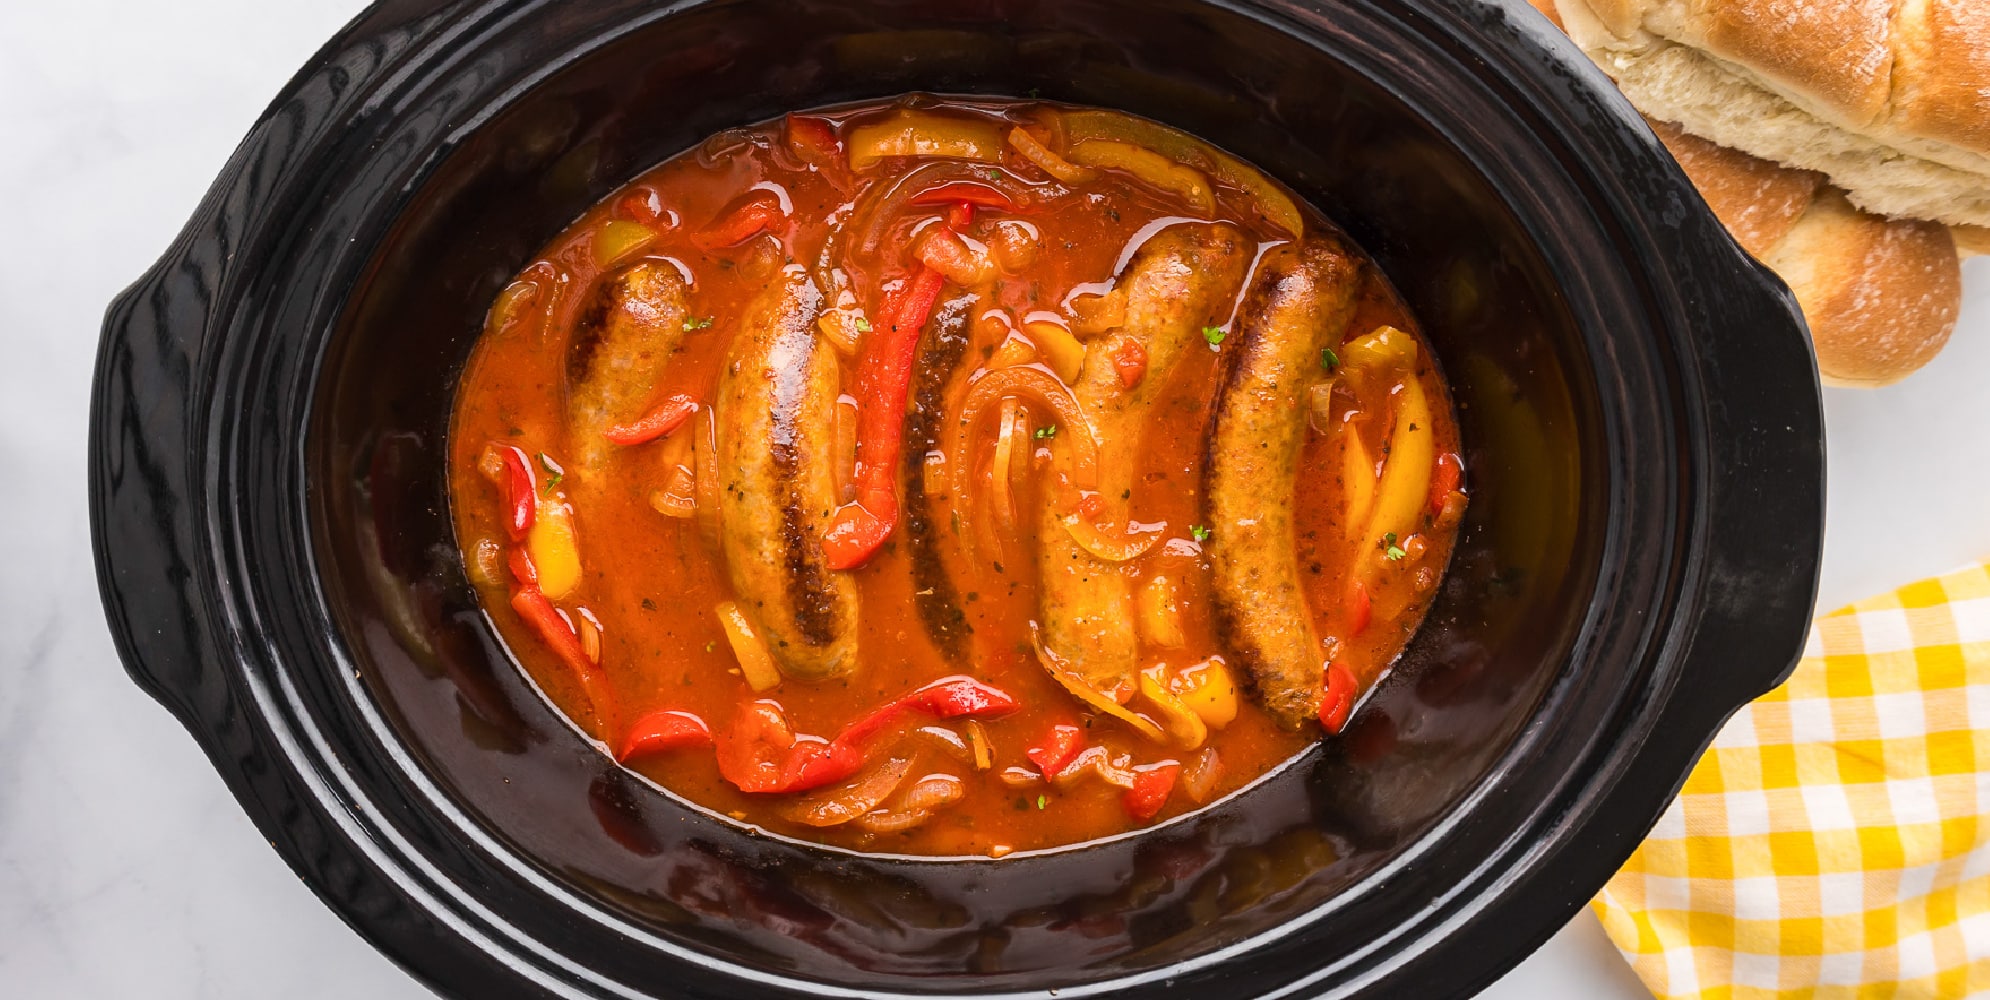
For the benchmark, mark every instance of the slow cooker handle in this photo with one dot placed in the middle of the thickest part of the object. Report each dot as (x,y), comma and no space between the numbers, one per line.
(142,491)
(1764,493)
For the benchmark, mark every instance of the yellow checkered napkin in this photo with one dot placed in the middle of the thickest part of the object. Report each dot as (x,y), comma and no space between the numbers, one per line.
(1834,841)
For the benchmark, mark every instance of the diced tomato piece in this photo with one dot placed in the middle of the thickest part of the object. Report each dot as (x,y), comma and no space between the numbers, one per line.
(642,205)
(1338,699)
(1450,472)
(1151,786)
(814,141)
(668,416)
(1059,747)
(1129,359)
(758,212)
(664,730)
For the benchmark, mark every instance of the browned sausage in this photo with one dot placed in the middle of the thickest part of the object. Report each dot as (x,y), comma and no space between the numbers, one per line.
(1182,279)
(776,399)
(642,326)
(941,351)
(1300,302)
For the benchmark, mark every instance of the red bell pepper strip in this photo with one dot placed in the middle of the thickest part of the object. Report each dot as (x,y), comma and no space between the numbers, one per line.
(759,212)
(520,493)
(1450,471)
(761,754)
(1151,787)
(946,698)
(860,527)
(664,730)
(543,618)
(814,141)
(1338,699)
(964,193)
(522,569)
(668,416)
(1359,608)
(1058,748)
(642,205)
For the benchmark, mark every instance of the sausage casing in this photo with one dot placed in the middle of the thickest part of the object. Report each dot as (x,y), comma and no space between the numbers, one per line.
(1181,280)
(1299,304)
(776,401)
(641,327)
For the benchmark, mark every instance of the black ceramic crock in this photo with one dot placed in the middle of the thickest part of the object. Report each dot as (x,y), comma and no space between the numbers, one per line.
(272,539)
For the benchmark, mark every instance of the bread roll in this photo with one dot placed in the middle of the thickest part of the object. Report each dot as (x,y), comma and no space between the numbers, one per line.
(1888,98)
(1880,295)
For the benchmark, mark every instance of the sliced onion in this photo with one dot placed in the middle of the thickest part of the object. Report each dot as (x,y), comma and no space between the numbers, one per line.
(845,465)
(1320,406)
(1063,674)
(885,204)
(1114,546)
(835,806)
(1031,384)
(916,805)
(705,473)
(1200,775)
(1001,478)
(1094,763)
(949,742)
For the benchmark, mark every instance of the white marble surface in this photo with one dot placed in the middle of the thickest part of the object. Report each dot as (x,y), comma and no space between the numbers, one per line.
(125,868)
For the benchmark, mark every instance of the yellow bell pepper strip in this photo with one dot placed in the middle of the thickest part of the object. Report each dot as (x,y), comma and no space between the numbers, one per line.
(918,133)
(1209,691)
(1149,168)
(1272,203)
(756,665)
(554,548)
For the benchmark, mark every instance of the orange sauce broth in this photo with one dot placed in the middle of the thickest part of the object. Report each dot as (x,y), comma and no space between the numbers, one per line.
(652,581)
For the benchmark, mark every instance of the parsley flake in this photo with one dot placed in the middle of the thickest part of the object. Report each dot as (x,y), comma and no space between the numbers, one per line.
(1391,550)
(697,323)
(554,474)
(1213,334)
(1041,801)
(1046,431)
(863,325)
(1328,359)
(990,174)
(1201,533)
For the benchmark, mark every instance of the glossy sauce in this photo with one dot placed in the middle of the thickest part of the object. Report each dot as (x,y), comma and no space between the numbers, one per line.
(652,582)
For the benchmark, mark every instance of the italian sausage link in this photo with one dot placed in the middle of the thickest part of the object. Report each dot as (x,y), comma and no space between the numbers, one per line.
(642,326)
(1300,303)
(1182,279)
(776,398)
(933,591)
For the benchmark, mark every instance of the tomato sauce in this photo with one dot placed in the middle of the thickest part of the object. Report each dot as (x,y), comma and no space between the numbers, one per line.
(640,626)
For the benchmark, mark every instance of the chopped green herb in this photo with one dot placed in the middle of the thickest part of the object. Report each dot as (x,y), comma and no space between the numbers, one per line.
(1046,431)
(696,323)
(1041,801)
(1201,533)
(991,174)
(1035,92)
(554,474)
(1328,359)
(1390,549)
(863,325)
(1213,334)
